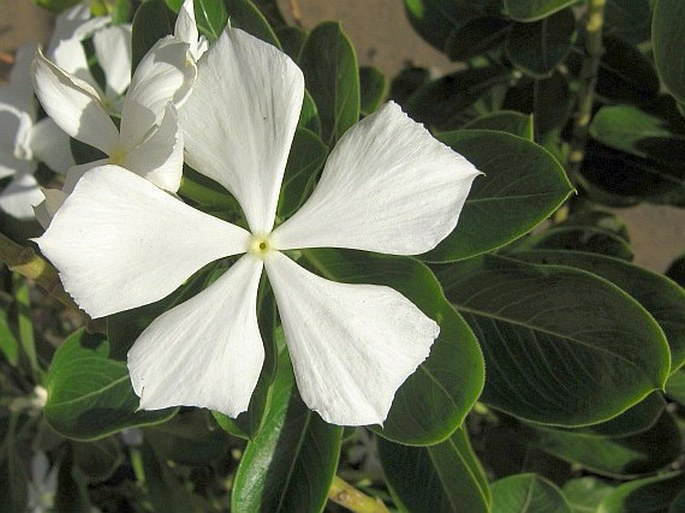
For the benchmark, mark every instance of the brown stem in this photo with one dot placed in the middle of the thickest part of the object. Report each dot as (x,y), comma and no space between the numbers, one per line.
(349,497)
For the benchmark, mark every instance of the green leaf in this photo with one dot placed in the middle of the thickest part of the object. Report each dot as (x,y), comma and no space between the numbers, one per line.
(509,121)
(372,85)
(450,476)
(661,297)
(434,400)
(668,40)
(441,102)
(8,343)
(562,346)
(476,37)
(538,48)
(332,77)
(153,21)
(309,116)
(586,239)
(651,494)
(675,386)
(292,39)
(99,459)
(527,493)
(89,395)
(294,447)
(585,493)
(210,17)
(244,15)
(533,10)
(621,456)
(629,20)
(523,184)
(436,20)
(307,156)
(55,6)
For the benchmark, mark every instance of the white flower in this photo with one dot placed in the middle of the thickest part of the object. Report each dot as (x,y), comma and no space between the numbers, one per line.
(388,186)
(149,141)
(186,30)
(43,484)
(24,141)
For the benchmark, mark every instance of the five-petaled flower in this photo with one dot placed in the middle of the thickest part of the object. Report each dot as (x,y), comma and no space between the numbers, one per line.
(388,186)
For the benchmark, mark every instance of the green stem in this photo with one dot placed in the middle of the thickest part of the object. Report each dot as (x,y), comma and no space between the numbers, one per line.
(24,322)
(349,497)
(588,80)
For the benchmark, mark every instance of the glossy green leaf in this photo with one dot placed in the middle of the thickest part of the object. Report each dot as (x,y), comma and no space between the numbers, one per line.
(434,400)
(244,15)
(533,10)
(153,21)
(641,453)
(451,477)
(509,121)
(668,40)
(307,156)
(441,102)
(523,184)
(585,493)
(210,17)
(538,48)
(99,459)
(332,77)
(90,395)
(661,297)
(292,40)
(372,87)
(562,346)
(651,494)
(527,493)
(582,239)
(309,116)
(294,447)
(435,20)
(476,37)
(675,386)
(9,346)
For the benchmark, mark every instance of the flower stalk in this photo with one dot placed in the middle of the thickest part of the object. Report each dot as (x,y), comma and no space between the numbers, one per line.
(347,496)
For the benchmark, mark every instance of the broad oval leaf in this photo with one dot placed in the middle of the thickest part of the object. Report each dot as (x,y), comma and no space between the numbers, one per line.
(331,75)
(533,10)
(89,395)
(523,184)
(585,493)
(616,456)
(509,121)
(434,400)
(562,346)
(211,17)
(675,386)
(649,494)
(452,479)
(373,87)
(668,39)
(537,48)
(244,15)
(661,297)
(476,37)
(436,20)
(527,493)
(294,447)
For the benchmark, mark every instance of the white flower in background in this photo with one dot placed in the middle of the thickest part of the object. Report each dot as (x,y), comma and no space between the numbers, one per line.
(24,141)
(112,45)
(388,186)
(43,484)
(149,141)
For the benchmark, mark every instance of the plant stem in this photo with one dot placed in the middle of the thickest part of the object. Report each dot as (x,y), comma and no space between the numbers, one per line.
(588,80)
(28,263)
(349,497)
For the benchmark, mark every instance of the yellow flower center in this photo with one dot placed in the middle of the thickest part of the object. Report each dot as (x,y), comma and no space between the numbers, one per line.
(260,246)
(117,156)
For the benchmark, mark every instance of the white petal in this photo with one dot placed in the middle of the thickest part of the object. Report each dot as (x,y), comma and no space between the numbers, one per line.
(160,158)
(74,173)
(20,79)
(20,195)
(388,186)
(113,50)
(75,23)
(164,75)
(74,105)
(352,346)
(206,352)
(239,122)
(185,28)
(70,56)
(50,144)
(120,242)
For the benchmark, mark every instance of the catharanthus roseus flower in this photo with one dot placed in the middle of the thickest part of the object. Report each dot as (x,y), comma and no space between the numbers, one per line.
(388,186)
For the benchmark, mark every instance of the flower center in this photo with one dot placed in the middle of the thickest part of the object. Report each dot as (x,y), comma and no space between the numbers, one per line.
(260,246)
(117,156)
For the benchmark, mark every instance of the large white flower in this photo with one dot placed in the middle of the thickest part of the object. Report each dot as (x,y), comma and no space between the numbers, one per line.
(388,186)
(24,140)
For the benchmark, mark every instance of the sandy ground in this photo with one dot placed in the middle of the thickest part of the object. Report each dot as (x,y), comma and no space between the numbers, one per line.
(382,36)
